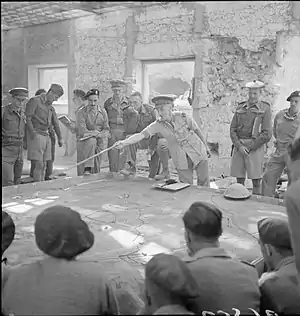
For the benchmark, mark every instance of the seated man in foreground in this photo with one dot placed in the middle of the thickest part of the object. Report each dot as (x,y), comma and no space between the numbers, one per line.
(280,288)
(186,143)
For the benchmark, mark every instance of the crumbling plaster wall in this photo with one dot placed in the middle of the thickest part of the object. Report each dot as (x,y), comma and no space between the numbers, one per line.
(233,43)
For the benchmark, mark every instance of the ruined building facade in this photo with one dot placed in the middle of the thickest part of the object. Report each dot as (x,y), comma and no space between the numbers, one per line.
(231,42)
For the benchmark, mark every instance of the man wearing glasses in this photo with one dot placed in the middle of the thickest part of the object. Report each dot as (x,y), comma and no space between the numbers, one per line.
(13,131)
(39,117)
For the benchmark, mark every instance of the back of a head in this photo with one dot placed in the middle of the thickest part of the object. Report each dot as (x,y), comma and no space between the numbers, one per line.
(8,231)
(40,91)
(173,277)
(79,93)
(204,220)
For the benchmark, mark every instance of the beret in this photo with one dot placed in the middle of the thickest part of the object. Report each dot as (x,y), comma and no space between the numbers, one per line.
(293,94)
(61,233)
(255,84)
(92,92)
(275,232)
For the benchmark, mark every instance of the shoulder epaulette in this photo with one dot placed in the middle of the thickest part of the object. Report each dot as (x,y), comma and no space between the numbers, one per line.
(266,103)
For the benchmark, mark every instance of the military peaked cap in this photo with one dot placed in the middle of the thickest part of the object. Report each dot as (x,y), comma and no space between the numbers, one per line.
(57,89)
(163,99)
(22,92)
(275,232)
(293,94)
(92,92)
(117,84)
(255,84)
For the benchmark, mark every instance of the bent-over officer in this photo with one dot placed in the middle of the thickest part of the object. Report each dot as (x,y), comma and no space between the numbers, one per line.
(286,125)
(114,107)
(13,132)
(92,132)
(40,115)
(187,146)
(250,130)
(156,145)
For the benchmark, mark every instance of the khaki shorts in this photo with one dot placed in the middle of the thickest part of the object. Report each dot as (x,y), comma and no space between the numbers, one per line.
(251,165)
(39,148)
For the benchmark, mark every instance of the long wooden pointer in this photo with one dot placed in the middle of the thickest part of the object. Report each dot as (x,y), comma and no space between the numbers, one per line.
(94,156)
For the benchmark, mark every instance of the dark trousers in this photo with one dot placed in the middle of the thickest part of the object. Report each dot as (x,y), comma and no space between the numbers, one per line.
(49,163)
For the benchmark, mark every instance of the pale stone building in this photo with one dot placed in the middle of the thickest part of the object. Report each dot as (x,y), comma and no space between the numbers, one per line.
(230,43)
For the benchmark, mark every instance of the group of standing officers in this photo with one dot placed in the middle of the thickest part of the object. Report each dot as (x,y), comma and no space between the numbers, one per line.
(126,124)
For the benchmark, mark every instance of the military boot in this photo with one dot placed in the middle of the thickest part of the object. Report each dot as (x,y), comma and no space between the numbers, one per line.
(165,175)
(131,171)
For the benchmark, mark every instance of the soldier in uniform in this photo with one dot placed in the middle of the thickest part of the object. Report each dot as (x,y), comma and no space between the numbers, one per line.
(292,200)
(250,130)
(52,131)
(92,132)
(286,124)
(157,148)
(13,132)
(280,288)
(186,143)
(114,107)
(40,115)
(224,281)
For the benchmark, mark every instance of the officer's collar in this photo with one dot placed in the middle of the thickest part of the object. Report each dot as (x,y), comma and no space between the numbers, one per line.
(43,96)
(216,252)
(288,115)
(253,105)
(284,262)
(14,108)
(142,109)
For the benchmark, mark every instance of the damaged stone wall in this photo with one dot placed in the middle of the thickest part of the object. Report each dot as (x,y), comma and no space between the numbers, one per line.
(99,51)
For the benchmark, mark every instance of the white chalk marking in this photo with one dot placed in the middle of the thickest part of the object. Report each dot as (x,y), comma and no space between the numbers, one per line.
(52,197)
(114,208)
(274,213)
(213,185)
(172,240)
(142,273)
(28,229)
(32,200)
(126,238)
(237,242)
(150,250)
(105,227)
(252,228)
(18,209)
(149,230)
(9,204)
(82,211)
(41,202)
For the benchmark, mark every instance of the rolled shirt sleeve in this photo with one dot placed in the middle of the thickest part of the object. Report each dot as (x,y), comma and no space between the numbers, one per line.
(150,130)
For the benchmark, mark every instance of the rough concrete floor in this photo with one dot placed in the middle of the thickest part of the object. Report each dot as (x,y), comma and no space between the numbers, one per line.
(131,222)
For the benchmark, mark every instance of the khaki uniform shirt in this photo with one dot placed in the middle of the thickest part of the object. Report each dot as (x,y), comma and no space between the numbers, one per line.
(251,123)
(92,119)
(285,128)
(181,137)
(224,282)
(281,291)
(40,116)
(13,124)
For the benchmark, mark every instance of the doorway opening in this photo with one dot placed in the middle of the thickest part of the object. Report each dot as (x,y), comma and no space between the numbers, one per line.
(172,77)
